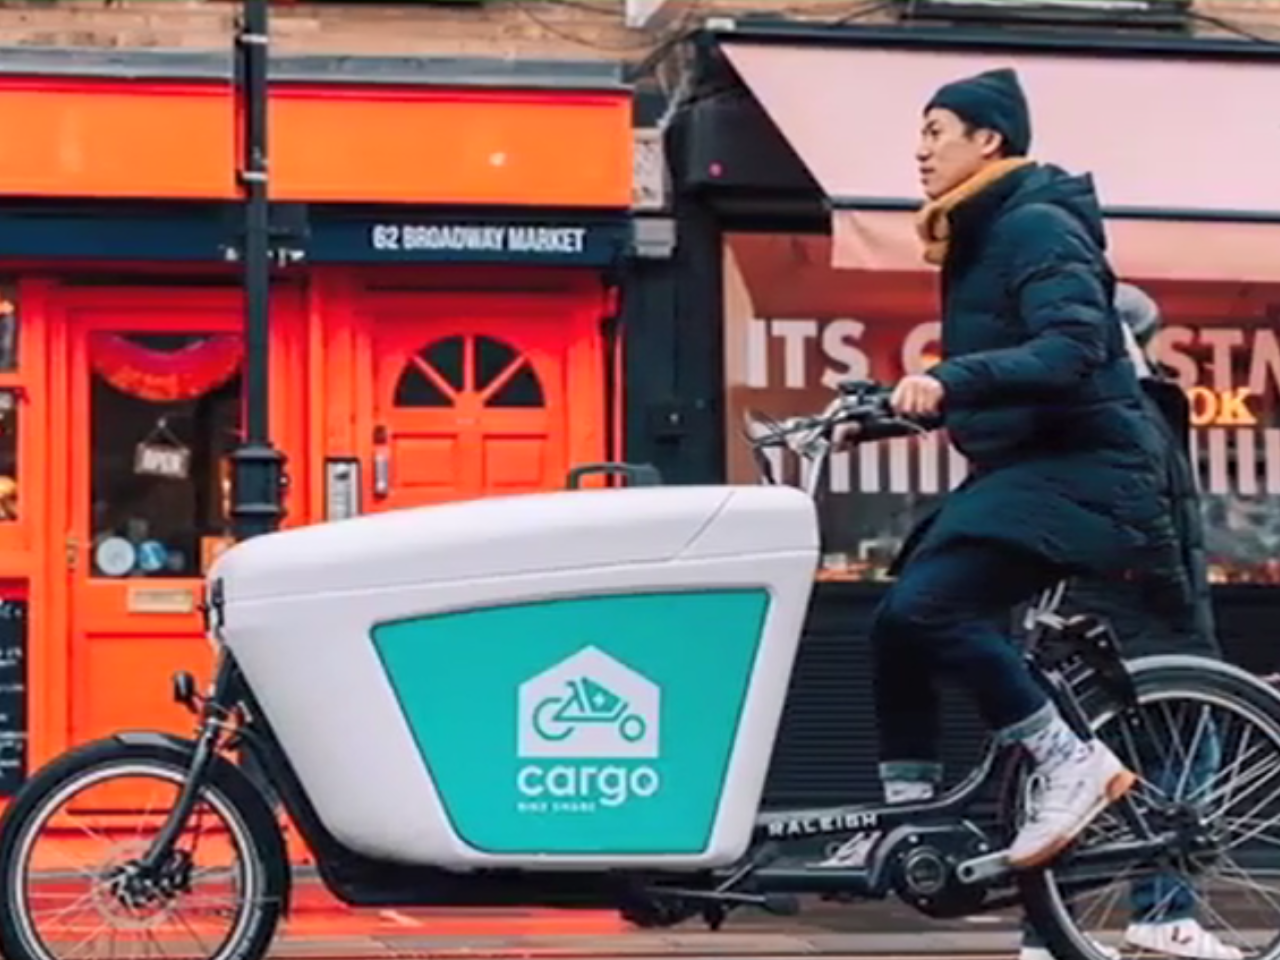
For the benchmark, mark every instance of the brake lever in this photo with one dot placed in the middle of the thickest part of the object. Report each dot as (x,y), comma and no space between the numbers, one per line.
(812,445)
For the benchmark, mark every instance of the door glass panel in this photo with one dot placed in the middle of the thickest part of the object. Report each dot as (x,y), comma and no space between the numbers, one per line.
(164,419)
(521,390)
(8,326)
(445,357)
(8,456)
(492,359)
(416,388)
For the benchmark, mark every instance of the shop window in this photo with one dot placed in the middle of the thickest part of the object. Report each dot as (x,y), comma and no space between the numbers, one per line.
(9,501)
(490,368)
(164,419)
(8,328)
(794,326)
(1222,343)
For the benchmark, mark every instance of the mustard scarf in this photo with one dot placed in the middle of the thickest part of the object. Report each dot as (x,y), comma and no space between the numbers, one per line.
(933,221)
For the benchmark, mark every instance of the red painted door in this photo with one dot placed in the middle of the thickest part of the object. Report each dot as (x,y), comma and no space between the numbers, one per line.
(478,396)
(152,412)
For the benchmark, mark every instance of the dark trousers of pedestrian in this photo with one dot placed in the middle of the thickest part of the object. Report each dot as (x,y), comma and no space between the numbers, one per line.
(949,613)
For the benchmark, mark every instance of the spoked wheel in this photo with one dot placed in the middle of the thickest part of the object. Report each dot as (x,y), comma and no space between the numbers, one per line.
(1205,744)
(70,861)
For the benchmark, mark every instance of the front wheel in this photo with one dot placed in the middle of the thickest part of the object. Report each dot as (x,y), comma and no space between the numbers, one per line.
(1205,744)
(72,838)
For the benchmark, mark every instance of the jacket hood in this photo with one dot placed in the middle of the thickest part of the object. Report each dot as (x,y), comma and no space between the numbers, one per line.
(1045,183)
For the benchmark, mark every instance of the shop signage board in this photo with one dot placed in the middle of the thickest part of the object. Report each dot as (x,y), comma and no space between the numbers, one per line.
(477,240)
(206,235)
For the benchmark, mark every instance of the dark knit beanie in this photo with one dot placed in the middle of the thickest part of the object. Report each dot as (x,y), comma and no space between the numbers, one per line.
(991,100)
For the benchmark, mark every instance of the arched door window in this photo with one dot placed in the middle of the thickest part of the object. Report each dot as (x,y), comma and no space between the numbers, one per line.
(473,371)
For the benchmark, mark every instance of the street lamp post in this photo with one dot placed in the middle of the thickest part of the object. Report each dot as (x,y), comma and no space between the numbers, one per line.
(257,476)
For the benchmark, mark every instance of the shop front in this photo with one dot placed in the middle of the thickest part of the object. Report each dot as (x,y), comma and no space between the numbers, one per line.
(797,184)
(442,315)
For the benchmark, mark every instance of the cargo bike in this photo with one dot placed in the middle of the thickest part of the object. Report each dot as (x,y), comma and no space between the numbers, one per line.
(570,699)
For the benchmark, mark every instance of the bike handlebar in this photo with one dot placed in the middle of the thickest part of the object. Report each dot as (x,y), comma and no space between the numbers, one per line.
(863,402)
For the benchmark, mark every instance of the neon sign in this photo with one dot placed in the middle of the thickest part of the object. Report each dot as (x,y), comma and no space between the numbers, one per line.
(1221,408)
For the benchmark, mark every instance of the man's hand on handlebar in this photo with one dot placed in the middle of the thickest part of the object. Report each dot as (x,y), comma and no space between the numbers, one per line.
(917,395)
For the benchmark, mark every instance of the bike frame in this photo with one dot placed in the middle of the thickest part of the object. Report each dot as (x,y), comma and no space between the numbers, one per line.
(788,845)
(1044,629)
(843,849)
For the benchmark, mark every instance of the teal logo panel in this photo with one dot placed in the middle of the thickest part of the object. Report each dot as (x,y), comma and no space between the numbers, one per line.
(596,724)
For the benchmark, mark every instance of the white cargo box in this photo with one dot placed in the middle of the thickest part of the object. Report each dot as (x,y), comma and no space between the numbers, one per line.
(542,681)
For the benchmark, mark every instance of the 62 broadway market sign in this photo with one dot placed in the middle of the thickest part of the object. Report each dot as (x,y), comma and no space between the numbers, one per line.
(540,242)
(486,238)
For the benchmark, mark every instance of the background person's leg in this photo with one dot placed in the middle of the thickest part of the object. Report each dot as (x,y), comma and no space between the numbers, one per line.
(1164,906)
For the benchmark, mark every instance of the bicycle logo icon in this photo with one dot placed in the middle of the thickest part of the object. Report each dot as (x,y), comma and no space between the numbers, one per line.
(586,702)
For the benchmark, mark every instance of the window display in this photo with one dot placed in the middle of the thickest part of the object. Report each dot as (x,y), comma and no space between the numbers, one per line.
(8,456)
(164,415)
(794,326)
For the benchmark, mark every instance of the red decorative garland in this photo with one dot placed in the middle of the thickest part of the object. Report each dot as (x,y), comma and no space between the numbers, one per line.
(162,376)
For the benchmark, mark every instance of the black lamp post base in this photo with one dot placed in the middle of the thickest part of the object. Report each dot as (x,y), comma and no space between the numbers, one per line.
(257,489)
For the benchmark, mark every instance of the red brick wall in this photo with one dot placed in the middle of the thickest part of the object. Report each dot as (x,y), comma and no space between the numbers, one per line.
(585,29)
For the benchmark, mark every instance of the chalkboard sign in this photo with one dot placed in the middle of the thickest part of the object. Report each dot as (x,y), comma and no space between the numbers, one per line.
(13,695)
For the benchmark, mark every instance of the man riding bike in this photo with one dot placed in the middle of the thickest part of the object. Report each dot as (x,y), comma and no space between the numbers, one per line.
(1036,391)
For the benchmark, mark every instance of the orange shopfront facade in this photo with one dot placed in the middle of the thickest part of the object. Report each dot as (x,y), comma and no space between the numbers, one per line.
(440,328)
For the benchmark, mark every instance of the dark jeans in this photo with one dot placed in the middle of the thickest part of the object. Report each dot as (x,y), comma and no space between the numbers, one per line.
(949,612)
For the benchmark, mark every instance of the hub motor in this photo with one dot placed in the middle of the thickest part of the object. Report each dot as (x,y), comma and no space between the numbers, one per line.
(922,869)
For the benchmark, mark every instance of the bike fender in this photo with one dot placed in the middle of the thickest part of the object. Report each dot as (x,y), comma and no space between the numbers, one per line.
(1206,664)
(155,738)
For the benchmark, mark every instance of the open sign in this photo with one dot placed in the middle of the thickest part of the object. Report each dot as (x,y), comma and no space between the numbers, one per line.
(162,460)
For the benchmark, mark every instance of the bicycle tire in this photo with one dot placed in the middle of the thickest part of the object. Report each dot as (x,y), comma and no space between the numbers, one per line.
(1152,677)
(225,785)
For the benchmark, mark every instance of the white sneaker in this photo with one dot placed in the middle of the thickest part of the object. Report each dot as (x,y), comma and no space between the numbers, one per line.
(1065,799)
(1042,953)
(1181,938)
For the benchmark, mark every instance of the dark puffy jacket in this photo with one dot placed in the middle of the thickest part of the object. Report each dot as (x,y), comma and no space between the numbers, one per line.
(1165,607)
(1040,396)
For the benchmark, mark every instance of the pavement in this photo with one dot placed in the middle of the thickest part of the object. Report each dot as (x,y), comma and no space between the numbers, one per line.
(322,928)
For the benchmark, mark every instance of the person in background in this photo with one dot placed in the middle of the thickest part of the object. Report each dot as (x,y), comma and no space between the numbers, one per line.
(1168,609)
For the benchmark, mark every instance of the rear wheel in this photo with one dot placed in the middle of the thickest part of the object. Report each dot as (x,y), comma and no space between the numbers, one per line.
(70,845)
(1205,743)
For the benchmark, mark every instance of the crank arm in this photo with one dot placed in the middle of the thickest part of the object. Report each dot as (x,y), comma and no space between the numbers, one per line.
(995,866)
